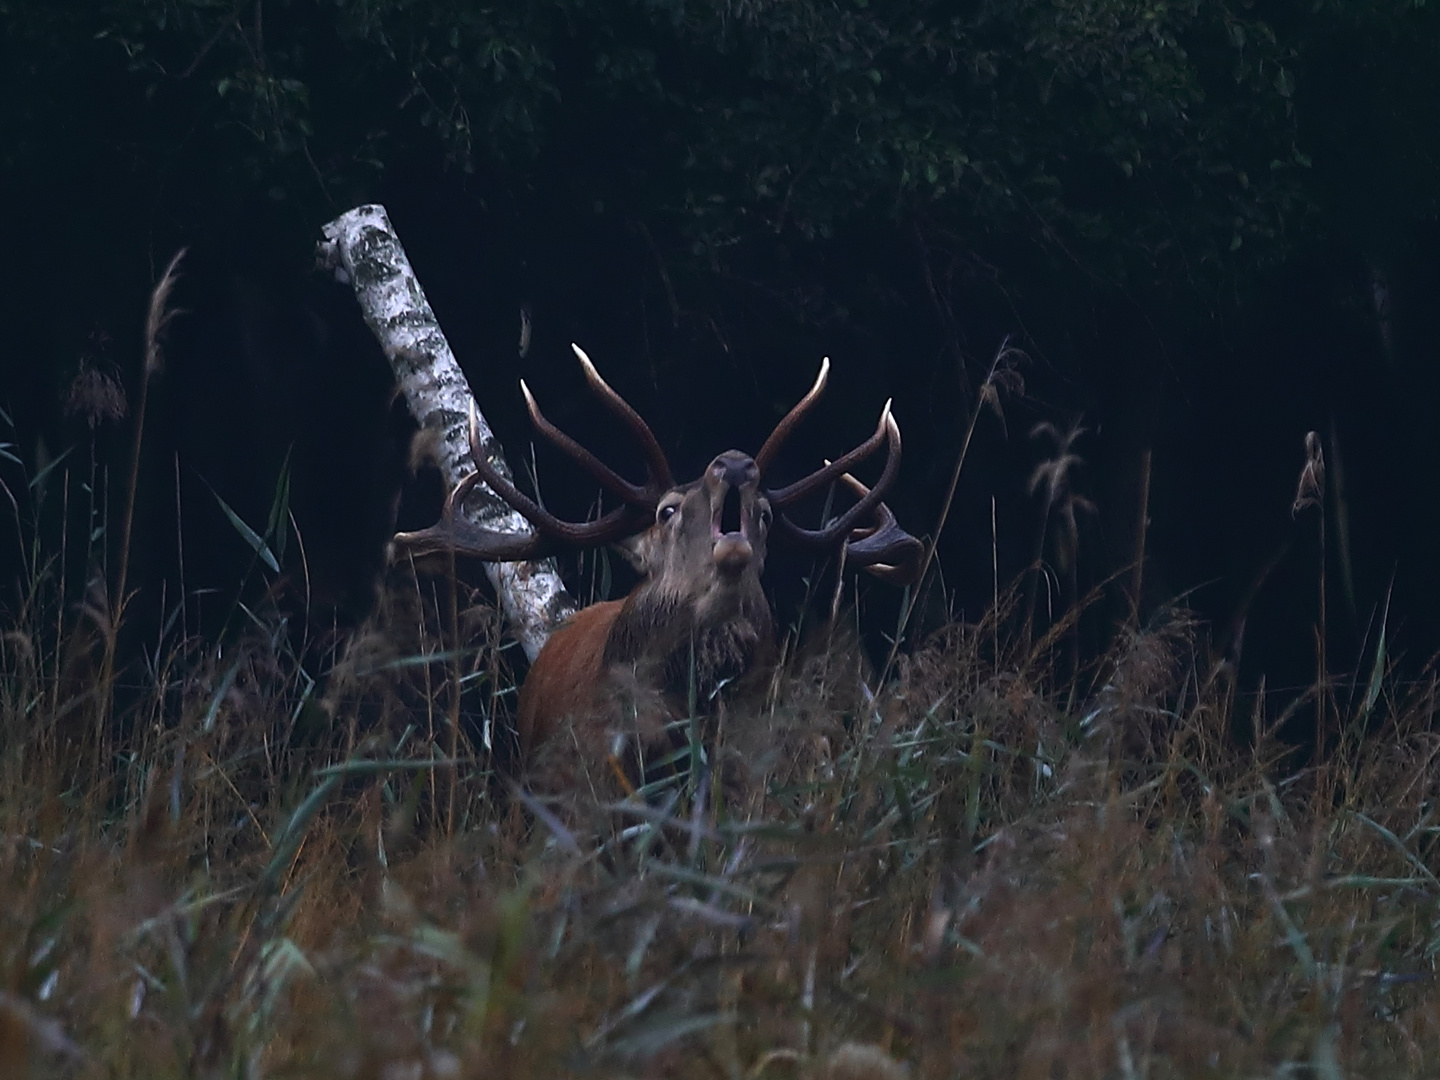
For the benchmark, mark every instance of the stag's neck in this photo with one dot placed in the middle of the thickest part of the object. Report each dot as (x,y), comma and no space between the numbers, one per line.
(678,646)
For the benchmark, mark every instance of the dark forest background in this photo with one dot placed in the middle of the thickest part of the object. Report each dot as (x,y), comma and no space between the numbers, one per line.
(1210,228)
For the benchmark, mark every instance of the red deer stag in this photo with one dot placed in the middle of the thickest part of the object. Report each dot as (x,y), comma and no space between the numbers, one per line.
(699,618)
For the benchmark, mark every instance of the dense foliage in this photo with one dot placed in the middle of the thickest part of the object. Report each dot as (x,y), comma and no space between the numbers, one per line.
(1145,139)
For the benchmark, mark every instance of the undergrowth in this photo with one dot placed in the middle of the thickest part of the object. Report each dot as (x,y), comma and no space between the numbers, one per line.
(266,855)
(286,862)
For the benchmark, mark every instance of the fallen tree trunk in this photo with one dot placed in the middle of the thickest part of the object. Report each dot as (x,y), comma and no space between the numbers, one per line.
(361,246)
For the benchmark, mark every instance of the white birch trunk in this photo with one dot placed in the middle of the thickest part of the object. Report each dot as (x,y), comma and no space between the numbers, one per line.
(361,246)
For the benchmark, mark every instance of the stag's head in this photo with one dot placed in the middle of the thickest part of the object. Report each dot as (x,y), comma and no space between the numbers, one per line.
(708,539)
(700,544)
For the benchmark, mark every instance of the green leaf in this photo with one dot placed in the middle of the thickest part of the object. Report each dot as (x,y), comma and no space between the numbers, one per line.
(39,478)
(255,541)
(277,526)
(1377,668)
(288,842)
(226,681)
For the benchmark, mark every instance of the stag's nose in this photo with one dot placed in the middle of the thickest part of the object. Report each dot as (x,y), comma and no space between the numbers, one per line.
(733,469)
(728,479)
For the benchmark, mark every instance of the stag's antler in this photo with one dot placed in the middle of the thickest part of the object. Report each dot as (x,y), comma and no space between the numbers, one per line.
(883,548)
(874,540)
(793,417)
(452,533)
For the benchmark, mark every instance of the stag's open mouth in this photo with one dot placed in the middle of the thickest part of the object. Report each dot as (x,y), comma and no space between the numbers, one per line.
(729,517)
(732,551)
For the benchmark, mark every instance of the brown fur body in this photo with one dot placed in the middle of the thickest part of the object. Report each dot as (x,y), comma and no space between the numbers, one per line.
(566,675)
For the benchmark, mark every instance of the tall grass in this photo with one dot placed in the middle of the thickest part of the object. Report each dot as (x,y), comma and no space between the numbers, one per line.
(289,858)
(288,870)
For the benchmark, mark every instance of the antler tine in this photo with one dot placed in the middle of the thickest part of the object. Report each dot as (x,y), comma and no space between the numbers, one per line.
(792,418)
(867,504)
(782,497)
(614,483)
(659,468)
(883,549)
(617,523)
(458,535)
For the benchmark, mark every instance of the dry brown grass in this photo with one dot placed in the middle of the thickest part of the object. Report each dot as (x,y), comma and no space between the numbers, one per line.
(281,866)
(267,856)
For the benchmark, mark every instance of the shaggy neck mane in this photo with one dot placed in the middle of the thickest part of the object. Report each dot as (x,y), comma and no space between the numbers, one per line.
(674,643)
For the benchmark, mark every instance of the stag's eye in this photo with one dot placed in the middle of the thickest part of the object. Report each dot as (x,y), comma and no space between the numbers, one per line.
(665,513)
